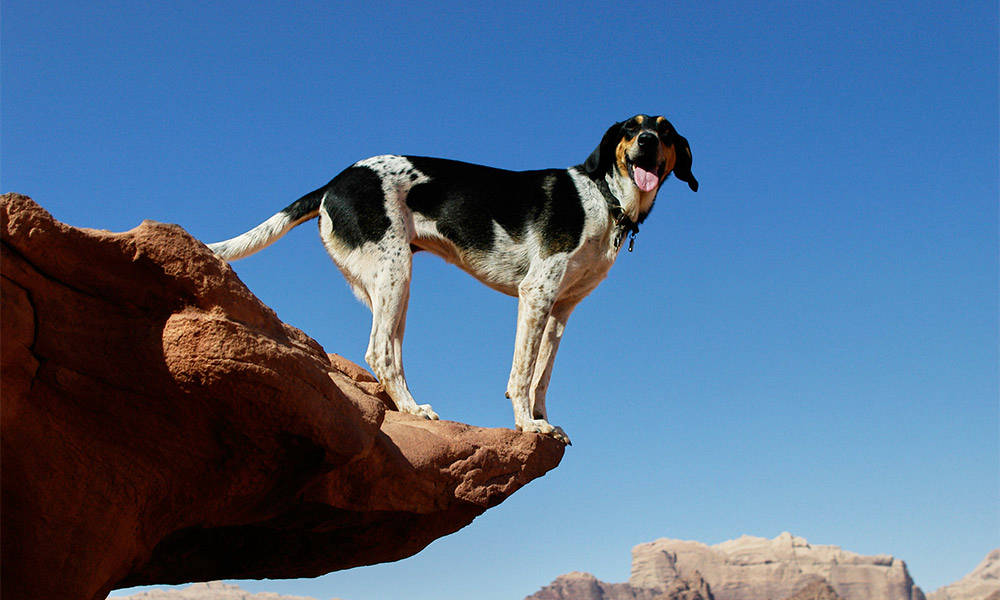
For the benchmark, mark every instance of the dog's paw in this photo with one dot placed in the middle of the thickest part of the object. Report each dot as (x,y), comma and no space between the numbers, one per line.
(425,411)
(545,428)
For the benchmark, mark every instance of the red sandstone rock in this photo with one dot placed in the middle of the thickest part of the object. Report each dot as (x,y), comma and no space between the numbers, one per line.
(161,425)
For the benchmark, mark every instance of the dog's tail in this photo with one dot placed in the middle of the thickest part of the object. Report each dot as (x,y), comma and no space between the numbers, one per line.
(268,232)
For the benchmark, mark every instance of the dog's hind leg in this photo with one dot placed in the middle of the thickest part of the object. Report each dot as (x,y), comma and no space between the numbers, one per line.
(390,296)
(379,274)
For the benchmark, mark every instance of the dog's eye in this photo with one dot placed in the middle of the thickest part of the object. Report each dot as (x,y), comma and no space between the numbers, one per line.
(630,131)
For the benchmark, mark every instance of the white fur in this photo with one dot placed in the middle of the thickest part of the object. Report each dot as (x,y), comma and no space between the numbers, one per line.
(258,238)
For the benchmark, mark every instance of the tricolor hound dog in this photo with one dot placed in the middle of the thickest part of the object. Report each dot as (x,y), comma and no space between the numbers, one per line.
(547,237)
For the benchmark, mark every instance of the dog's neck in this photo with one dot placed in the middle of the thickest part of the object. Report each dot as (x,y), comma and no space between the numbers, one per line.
(627,205)
(622,208)
(624,194)
(636,203)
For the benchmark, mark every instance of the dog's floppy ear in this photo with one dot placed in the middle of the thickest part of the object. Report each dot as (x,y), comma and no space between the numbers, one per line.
(682,166)
(598,159)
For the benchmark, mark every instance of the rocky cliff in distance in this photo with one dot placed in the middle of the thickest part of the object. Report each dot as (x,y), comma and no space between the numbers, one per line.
(584,586)
(748,568)
(161,425)
(981,584)
(753,568)
(212,590)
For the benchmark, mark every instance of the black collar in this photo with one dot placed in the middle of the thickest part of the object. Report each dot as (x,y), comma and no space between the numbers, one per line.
(622,220)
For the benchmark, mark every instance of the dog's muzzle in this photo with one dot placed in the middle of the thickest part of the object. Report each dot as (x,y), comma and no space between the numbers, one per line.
(644,168)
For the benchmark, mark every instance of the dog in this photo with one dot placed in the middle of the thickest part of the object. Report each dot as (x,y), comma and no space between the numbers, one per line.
(547,237)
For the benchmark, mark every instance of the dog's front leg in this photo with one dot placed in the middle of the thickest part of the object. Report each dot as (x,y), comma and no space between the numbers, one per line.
(554,328)
(536,297)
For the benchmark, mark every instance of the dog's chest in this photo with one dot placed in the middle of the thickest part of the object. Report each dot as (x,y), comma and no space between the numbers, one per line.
(588,268)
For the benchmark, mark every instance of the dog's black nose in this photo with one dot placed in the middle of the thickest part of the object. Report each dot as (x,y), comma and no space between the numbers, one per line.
(647,140)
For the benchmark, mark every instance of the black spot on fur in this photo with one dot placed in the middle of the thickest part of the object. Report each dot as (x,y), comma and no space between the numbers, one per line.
(356,206)
(466,200)
(561,218)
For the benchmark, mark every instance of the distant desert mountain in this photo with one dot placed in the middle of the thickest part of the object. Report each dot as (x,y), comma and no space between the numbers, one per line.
(754,568)
(584,586)
(213,590)
(749,568)
(983,583)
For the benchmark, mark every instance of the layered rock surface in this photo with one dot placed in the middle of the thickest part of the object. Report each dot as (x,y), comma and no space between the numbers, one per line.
(819,589)
(749,568)
(161,425)
(982,583)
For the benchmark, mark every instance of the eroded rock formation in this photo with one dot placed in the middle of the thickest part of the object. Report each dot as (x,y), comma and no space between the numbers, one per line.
(161,425)
(753,568)
(819,589)
(584,586)
(748,568)
(983,582)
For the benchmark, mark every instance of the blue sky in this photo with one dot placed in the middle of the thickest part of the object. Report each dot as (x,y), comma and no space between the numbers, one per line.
(809,343)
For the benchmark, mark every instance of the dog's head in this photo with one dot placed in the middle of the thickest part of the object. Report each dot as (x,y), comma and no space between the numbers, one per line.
(644,150)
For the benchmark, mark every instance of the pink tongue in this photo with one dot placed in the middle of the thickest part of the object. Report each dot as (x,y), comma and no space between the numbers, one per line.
(644,180)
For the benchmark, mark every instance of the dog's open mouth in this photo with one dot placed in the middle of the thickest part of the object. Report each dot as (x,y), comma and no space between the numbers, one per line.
(645,179)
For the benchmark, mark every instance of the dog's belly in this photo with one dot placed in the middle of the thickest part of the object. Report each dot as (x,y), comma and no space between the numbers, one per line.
(501,271)
(504,265)
(501,266)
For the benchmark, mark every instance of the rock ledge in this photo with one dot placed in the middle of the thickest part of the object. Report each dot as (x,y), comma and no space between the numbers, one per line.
(162,425)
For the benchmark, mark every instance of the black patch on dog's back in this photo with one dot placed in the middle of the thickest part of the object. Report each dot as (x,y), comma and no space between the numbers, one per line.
(355,204)
(453,198)
(561,217)
(466,200)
